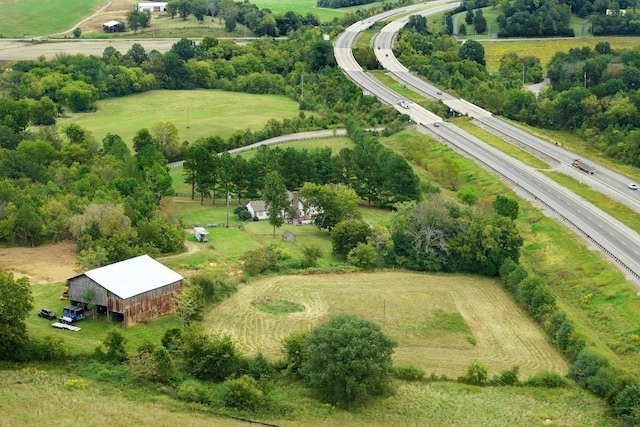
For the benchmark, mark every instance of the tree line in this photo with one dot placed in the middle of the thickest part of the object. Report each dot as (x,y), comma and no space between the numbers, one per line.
(379,176)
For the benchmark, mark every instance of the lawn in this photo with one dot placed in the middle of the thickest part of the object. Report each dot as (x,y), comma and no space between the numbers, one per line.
(31,18)
(196,113)
(309,6)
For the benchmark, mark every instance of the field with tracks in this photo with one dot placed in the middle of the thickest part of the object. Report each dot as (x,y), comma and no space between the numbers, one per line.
(442,322)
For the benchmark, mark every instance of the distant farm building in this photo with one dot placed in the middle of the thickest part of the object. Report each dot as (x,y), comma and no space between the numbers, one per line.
(112,26)
(130,291)
(257,209)
(152,6)
(301,214)
(201,234)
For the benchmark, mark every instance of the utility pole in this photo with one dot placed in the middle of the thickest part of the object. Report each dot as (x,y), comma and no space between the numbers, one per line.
(228,197)
(524,68)
(302,90)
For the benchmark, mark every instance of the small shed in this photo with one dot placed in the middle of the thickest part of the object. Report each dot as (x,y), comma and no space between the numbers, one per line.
(201,234)
(112,26)
(130,291)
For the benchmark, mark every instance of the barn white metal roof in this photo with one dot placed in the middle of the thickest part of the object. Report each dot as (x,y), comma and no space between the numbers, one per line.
(133,276)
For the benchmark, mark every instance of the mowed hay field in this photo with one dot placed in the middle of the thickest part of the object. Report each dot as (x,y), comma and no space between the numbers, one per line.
(196,113)
(544,49)
(441,322)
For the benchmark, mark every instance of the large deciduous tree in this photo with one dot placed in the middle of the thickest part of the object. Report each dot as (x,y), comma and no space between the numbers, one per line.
(473,51)
(15,303)
(275,199)
(332,202)
(347,359)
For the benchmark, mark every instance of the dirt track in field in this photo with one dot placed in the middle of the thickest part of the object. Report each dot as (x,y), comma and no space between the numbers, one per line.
(504,335)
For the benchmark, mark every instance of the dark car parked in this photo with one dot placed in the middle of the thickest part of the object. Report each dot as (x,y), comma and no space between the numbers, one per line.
(49,314)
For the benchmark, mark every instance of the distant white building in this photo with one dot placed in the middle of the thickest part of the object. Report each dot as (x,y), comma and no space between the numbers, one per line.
(152,6)
(302,214)
(613,12)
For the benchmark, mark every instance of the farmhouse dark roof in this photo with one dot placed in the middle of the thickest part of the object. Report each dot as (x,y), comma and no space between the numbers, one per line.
(133,276)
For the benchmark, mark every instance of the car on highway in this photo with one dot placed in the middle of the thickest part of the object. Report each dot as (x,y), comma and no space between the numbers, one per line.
(438,93)
(436,124)
(633,186)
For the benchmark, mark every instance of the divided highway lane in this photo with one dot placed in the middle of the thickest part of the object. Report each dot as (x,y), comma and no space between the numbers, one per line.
(606,181)
(613,238)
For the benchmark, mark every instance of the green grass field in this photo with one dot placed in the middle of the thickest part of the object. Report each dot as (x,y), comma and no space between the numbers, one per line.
(196,113)
(309,6)
(31,18)
(32,395)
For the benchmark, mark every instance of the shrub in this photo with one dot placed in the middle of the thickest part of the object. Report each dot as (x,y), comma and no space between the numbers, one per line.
(468,195)
(509,377)
(242,393)
(115,343)
(210,357)
(310,255)
(586,366)
(259,367)
(194,392)
(508,265)
(603,382)
(476,375)
(260,260)
(243,213)
(547,380)
(363,256)
(408,373)
(515,277)
(347,234)
(626,405)
(293,349)
(172,339)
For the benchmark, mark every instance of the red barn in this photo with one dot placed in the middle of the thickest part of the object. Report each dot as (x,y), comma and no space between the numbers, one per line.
(130,291)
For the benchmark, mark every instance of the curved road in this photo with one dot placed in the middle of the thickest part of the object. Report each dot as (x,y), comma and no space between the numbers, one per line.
(610,236)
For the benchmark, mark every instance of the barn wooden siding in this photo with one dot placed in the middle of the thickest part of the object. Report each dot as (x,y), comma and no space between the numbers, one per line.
(145,306)
(78,287)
